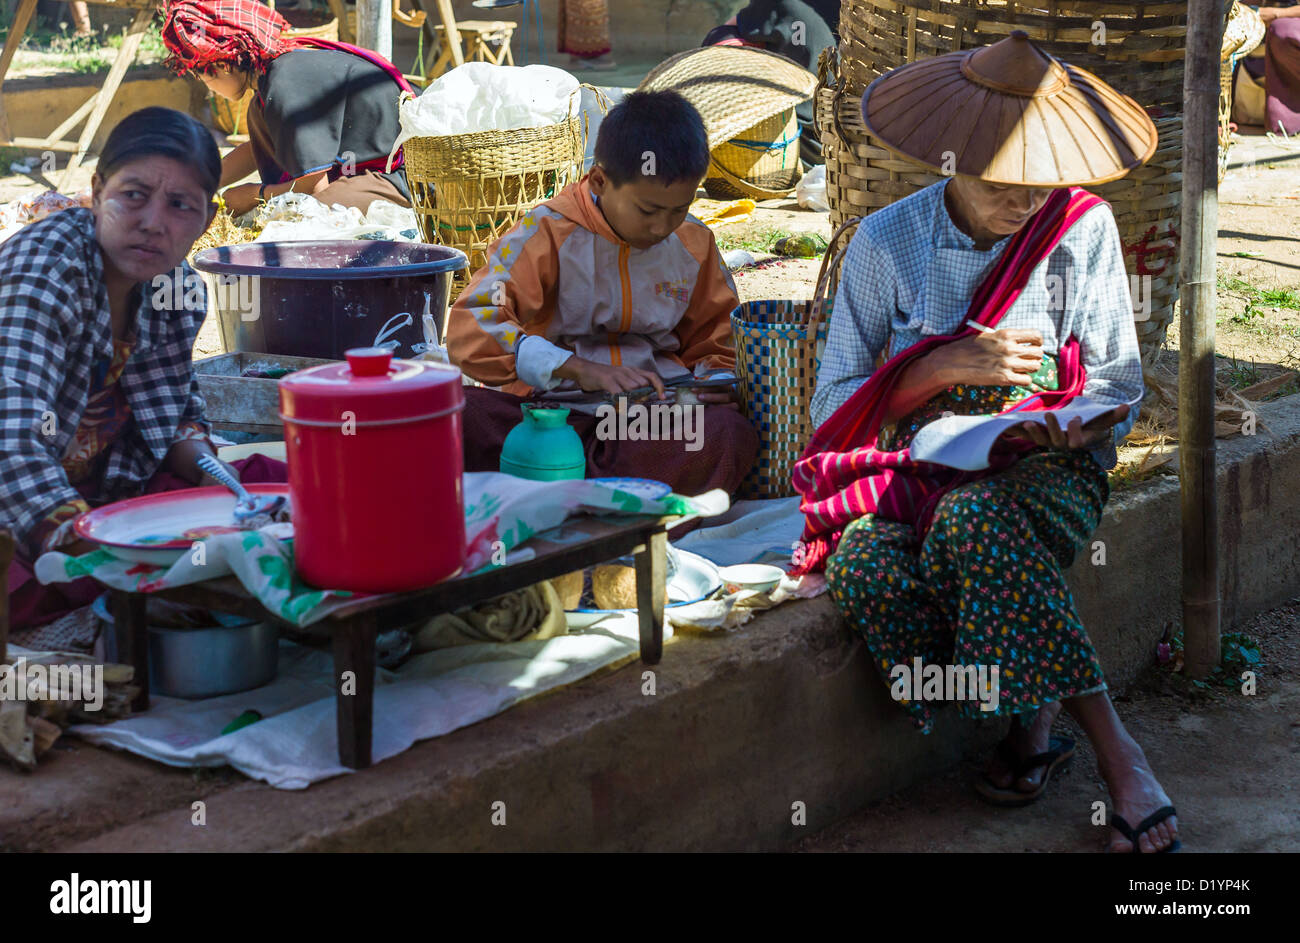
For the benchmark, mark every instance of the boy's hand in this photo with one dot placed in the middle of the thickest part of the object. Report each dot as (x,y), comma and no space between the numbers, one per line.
(594,377)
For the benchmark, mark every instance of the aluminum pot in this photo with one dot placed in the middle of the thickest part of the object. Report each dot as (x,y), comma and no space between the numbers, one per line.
(205,662)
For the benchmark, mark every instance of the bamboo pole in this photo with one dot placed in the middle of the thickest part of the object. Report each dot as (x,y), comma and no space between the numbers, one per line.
(375,26)
(1196,339)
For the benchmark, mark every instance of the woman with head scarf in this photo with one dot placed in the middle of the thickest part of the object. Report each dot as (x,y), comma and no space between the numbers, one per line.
(98,315)
(1000,288)
(323,118)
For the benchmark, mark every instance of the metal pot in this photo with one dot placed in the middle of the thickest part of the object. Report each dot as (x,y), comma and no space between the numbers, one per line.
(205,662)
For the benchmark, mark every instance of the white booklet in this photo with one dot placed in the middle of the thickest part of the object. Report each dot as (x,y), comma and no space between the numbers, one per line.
(964,442)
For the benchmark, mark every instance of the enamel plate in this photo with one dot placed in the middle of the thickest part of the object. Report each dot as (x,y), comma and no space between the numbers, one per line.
(158,528)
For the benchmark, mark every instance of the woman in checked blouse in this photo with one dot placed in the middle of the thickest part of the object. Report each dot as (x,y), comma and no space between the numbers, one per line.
(1001,287)
(98,315)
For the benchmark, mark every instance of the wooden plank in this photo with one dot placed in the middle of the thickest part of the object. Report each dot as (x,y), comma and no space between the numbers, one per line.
(131,627)
(125,56)
(451,32)
(41,144)
(354,673)
(605,541)
(651,577)
(17,30)
(56,136)
(340,12)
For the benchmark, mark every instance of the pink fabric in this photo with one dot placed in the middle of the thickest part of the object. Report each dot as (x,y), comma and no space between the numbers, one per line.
(32,604)
(842,475)
(1282,75)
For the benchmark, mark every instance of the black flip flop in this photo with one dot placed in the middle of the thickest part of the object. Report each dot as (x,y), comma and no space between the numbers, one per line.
(1060,752)
(1155,818)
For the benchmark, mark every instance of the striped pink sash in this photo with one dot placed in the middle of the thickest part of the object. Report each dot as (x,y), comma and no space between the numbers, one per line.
(842,475)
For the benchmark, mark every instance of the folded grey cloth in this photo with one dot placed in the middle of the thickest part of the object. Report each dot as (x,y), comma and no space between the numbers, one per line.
(531,613)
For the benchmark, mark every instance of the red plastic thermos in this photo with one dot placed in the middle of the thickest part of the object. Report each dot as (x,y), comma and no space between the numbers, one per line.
(375,464)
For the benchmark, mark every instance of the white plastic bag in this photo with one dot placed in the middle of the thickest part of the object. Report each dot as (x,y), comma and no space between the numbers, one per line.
(811,191)
(300,217)
(480,96)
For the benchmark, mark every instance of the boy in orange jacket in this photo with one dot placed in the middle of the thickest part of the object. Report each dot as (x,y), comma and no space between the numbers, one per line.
(610,287)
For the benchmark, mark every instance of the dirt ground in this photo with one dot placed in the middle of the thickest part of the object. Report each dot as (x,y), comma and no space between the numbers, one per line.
(1230,763)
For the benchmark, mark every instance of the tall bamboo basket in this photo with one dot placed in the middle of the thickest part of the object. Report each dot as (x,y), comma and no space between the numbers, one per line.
(232,116)
(862,176)
(1138,47)
(469,189)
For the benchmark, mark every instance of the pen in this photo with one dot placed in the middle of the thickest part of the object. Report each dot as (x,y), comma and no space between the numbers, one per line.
(988,330)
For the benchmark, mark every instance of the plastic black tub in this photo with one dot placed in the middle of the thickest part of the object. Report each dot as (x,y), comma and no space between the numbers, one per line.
(318,299)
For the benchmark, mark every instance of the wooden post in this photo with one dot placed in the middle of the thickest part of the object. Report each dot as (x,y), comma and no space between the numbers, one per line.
(1196,339)
(375,26)
(651,570)
(131,626)
(354,673)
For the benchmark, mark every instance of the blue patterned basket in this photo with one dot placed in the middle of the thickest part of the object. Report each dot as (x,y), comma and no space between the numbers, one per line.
(771,339)
(779,347)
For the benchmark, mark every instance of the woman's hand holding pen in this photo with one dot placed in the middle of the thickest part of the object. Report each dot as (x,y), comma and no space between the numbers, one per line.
(1007,357)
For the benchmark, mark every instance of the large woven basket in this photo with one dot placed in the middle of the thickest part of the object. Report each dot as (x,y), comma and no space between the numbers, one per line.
(779,344)
(232,116)
(862,176)
(761,163)
(469,189)
(747,99)
(1138,47)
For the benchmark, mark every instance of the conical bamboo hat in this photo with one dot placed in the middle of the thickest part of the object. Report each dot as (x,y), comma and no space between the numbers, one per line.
(1009,113)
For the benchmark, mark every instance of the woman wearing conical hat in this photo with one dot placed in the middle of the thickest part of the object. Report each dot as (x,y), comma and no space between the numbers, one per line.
(1000,287)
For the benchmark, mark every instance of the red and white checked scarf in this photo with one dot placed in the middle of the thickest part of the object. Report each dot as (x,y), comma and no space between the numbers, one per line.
(202,33)
(842,476)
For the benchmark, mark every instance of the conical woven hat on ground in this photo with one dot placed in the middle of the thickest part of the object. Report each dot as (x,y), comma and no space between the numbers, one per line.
(733,87)
(1009,113)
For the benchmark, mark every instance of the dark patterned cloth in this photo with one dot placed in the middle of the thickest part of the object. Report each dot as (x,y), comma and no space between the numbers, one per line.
(55,325)
(987,585)
(199,35)
(320,109)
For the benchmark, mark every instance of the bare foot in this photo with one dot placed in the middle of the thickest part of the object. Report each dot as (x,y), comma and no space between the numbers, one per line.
(1136,794)
(1027,737)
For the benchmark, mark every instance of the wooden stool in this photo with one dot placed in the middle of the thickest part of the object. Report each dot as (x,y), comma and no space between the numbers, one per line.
(478,37)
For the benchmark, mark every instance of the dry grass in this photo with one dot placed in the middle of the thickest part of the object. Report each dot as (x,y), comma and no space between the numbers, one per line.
(1153,442)
(223,232)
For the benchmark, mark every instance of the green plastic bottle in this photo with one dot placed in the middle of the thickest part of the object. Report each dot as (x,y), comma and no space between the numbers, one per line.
(544,447)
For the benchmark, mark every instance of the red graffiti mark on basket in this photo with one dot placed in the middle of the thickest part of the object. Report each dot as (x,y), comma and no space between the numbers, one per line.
(1164,250)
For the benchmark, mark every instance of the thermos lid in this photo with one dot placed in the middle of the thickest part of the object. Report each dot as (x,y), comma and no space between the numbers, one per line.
(371,388)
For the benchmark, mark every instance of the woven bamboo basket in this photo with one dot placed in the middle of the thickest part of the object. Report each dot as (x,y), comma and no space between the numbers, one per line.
(469,189)
(862,176)
(232,116)
(1138,47)
(779,343)
(747,99)
(760,163)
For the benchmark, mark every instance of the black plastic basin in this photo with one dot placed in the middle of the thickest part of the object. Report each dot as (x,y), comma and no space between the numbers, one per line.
(318,299)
